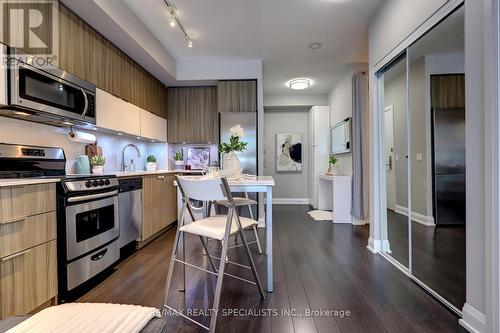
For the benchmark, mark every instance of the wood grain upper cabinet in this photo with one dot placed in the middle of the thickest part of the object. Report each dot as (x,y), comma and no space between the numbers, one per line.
(237,96)
(192,115)
(87,54)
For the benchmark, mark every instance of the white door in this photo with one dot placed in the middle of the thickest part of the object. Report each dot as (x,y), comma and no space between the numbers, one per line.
(389,157)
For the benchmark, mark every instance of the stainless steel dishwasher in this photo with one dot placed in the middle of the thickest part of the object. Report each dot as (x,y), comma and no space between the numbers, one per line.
(130,205)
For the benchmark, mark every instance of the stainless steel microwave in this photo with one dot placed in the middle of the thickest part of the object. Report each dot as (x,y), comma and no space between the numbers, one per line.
(47,94)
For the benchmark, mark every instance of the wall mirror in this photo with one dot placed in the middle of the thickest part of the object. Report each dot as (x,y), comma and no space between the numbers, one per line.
(340,137)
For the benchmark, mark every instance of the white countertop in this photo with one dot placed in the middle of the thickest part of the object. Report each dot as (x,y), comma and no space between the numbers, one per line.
(26,181)
(4,182)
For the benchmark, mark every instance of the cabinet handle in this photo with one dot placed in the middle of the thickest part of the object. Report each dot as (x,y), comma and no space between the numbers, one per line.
(161,177)
(13,221)
(15,255)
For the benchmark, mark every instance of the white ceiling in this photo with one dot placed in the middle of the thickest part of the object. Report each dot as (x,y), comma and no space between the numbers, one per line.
(276,31)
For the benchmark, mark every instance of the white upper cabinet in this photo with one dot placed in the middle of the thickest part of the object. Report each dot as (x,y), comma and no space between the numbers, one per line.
(153,127)
(3,76)
(116,114)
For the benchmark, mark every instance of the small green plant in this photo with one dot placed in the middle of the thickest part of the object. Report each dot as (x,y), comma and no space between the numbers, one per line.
(178,155)
(97,160)
(332,159)
(151,159)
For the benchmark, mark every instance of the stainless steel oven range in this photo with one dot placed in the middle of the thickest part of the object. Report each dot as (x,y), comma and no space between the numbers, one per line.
(88,231)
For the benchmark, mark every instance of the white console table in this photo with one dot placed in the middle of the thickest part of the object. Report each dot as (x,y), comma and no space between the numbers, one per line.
(334,193)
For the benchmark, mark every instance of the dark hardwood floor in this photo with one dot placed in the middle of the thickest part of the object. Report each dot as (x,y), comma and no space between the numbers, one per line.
(317,265)
(438,255)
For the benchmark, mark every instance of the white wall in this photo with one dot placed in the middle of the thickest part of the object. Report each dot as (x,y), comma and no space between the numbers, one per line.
(395,20)
(289,185)
(23,132)
(295,100)
(340,102)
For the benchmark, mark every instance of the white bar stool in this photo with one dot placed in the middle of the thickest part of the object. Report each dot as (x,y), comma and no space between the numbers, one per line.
(219,227)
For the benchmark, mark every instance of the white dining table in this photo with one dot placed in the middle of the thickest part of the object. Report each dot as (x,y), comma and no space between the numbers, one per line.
(254,184)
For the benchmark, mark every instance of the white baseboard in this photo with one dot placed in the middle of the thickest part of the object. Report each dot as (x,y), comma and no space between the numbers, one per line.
(359,222)
(377,245)
(428,221)
(473,320)
(291,201)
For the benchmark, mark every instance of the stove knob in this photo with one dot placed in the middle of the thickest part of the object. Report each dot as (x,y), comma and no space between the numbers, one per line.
(107,182)
(88,183)
(101,182)
(95,183)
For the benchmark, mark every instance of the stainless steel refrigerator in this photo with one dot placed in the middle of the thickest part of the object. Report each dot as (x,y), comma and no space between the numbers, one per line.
(248,158)
(449,165)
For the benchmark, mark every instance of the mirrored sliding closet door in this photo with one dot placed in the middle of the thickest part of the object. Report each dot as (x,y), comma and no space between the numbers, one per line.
(427,142)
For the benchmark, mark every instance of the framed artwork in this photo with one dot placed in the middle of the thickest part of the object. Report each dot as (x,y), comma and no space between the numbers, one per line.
(198,158)
(288,152)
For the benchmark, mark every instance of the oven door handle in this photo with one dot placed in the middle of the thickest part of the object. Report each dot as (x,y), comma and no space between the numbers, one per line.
(93,196)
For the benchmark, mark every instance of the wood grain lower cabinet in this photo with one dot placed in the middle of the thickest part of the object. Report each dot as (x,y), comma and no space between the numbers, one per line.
(159,204)
(21,234)
(28,279)
(22,201)
(28,256)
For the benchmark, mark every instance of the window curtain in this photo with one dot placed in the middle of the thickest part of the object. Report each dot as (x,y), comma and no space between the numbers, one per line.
(359,114)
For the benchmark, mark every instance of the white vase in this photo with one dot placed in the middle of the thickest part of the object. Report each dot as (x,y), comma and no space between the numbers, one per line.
(178,165)
(97,170)
(231,164)
(150,166)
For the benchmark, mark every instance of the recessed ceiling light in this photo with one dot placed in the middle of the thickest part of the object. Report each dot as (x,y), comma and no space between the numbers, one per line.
(119,133)
(299,83)
(315,46)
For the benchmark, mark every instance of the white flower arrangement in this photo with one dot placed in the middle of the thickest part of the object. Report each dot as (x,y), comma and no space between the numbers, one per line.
(238,131)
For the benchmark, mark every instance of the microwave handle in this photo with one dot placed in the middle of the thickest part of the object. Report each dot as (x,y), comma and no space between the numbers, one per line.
(86,106)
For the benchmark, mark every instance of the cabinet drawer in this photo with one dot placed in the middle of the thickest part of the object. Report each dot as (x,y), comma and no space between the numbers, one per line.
(28,279)
(22,201)
(21,234)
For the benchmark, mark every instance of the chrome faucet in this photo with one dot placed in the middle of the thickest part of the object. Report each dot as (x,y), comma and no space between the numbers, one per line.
(124,166)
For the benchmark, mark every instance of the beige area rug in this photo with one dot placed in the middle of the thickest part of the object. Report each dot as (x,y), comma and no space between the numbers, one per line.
(321,215)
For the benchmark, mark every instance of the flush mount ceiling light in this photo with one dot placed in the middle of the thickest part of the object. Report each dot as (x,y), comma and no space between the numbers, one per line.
(299,83)
(176,21)
(315,46)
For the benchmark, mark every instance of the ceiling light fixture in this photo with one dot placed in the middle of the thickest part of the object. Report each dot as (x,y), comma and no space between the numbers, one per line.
(172,18)
(299,83)
(175,20)
(315,46)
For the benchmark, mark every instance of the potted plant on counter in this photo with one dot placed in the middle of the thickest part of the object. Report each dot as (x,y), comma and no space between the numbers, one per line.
(230,161)
(179,160)
(97,163)
(151,163)
(332,160)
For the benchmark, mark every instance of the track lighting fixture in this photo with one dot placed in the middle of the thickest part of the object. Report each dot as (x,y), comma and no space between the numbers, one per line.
(175,20)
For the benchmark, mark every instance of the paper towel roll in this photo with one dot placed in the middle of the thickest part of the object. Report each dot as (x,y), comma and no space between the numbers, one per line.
(83,137)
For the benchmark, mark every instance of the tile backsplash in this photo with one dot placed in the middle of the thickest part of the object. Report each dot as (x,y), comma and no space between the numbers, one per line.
(23,132)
